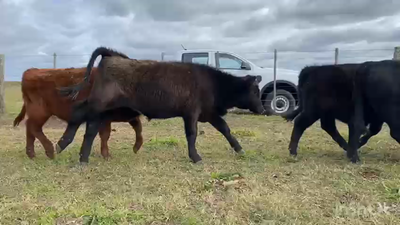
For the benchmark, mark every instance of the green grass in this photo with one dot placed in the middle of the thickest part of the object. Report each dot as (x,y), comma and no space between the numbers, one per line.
(13,99)
(159,185)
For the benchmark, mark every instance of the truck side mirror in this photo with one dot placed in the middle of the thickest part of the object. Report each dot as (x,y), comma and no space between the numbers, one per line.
(245,66)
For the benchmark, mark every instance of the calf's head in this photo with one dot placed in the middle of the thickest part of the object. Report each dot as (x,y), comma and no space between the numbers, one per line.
(248,97)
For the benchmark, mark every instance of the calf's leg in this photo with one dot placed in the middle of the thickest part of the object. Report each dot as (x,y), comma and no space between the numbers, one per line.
(36,127)
(220,124)
(92,128)
(354,137)
(328,125)
(30,140)
(302,122)
(37,117)
(104,133)
(77,118)
(68,136)
(93,124)
(191,135)
(356,124)
(137,126)
(373,130)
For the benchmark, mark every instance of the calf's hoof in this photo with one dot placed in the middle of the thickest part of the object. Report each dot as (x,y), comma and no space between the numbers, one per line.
(196,159)
(135,149)
(79,166)
(241,152)
(137,146)
(199,163)
(293,158)
(50,154)
(355,159)
(107,157)
(58,148)
(31,155)
(62,144)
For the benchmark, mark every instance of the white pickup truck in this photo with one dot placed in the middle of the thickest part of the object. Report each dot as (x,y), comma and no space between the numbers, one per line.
(286,80)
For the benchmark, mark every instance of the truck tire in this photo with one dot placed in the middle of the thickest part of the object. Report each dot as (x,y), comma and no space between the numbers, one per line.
(285,103)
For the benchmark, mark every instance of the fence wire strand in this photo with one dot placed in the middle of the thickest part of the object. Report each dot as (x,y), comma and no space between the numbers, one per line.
(16,64)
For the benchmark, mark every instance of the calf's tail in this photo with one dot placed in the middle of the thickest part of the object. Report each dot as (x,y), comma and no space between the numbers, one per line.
(20,116)
(303,77)
(291,116)
(73,91)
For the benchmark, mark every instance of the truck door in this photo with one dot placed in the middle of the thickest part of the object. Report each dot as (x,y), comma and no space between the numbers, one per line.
(196,57)
(231,64)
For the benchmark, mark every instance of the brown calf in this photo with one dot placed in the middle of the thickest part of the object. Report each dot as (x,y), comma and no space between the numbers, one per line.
(41,101)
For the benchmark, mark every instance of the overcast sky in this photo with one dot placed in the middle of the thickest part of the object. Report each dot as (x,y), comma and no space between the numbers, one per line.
(304,31)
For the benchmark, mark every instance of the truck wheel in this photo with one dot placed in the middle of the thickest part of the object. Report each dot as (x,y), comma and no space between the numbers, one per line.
(285,102)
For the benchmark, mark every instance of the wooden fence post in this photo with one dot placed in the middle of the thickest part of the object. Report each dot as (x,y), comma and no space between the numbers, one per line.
(54,60)
(275,62)
(162,56)
(2,101)
(336,56)
(396,54)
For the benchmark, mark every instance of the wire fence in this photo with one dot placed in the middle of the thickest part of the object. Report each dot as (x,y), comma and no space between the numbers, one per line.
(275,96)
(296,60)
(279,95)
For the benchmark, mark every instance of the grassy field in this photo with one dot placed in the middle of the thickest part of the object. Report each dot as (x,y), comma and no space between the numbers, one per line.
(159,185)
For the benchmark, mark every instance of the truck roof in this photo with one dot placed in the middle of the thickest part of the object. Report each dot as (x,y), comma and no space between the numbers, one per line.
(281,70)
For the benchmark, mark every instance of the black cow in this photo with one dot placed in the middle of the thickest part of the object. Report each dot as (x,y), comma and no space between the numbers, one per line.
(379,84)
(160,90)
(328,93)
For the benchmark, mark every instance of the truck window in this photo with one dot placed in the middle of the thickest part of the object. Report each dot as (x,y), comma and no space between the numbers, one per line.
(227,61)
(200,58)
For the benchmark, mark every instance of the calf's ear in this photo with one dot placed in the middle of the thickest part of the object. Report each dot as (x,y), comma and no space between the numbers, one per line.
(250,79)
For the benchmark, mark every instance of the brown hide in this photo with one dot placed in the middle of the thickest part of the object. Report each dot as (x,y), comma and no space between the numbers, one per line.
(42,100)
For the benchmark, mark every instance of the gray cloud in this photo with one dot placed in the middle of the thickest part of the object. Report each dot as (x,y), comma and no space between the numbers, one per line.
(320,12)
(319,39)
(303,31)
(179,10)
